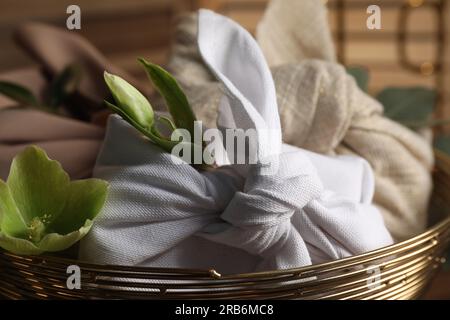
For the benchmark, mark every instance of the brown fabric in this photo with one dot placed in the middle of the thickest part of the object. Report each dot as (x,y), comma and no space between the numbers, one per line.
(73,143)
(323,110)
(30,78)
(54,49)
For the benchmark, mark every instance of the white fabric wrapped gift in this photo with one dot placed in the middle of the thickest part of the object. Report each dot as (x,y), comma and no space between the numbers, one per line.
(290,209)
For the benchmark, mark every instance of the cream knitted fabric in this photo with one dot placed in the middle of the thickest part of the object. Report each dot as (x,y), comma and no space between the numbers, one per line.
(311,37)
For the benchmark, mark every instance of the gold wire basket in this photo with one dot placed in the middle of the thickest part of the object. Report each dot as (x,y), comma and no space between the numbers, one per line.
(400,271)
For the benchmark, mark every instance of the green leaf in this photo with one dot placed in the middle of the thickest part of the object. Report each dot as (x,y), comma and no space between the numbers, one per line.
(168,122)
(18,93)
(41,210)
(361,76)
(64,85)
(174,96)
(412,107)
(443,143)
(130,101)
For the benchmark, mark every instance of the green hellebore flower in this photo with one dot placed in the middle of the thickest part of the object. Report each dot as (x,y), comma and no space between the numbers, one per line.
(130,100)
(41,209)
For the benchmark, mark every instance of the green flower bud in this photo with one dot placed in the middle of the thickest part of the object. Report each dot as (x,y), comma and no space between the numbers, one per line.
(130,101)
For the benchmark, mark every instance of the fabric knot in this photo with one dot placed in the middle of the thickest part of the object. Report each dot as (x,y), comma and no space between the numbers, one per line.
(259,217)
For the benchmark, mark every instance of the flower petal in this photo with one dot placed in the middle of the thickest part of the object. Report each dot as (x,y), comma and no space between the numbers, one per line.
(85,199)
(18,245)
(56,242)
(38,185)
(11,221)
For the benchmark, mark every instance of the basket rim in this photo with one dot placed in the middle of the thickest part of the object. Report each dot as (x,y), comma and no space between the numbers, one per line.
(377,254)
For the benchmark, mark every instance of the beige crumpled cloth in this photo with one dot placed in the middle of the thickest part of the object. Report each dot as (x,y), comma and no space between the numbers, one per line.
(321,107)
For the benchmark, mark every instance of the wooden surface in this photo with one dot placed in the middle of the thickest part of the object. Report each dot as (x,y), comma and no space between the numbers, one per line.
(126,29)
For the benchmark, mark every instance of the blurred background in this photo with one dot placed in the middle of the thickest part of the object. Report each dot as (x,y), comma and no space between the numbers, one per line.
(412,48)
(408,50)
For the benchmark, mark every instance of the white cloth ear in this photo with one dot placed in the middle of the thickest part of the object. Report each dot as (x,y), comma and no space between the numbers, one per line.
(236,60)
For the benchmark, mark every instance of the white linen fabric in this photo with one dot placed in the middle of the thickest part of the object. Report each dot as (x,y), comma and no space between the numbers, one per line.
(321,107)
(290,209)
